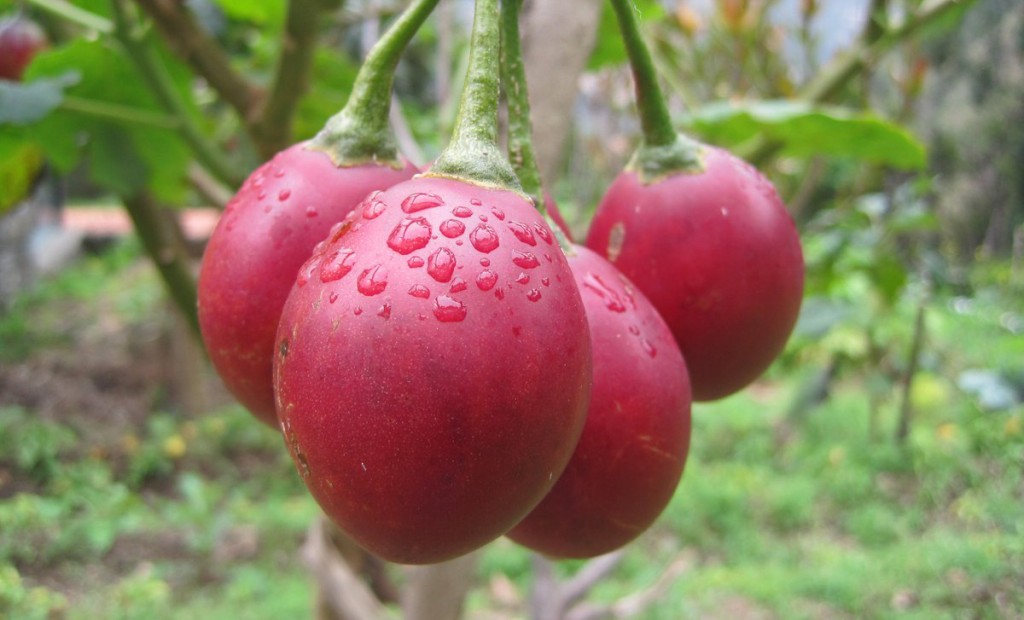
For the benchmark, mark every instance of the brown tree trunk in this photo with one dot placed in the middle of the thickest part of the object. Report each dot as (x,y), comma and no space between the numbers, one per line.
(558,36)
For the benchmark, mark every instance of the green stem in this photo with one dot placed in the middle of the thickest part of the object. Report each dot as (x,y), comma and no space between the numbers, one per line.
(473,155)
(361,132)
(72,13)
(120,113)
(513,79)
(663,151)
(520,139)
(162,86)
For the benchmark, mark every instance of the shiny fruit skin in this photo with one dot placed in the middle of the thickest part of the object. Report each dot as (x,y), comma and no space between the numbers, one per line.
(20,41)
(268,229)
(718,255)
(634,445)
(433,368)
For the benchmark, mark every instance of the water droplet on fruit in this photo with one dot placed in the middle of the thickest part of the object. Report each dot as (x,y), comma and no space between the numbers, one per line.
(610,298)
(499,293)
(484,238)
(648,347)
(633,329)
(338,230)
(279,172)
(458,285)
(475,202)
(616,236)
(415,262)
(385,311)
(306,271)
(525,259)
(483,218)
(337,265)
(522,232)
(486,280)
(462,212)
(543,233)
(498,213)
(261,194)
(258,180)
(533,294)
(374,206)
(409,235)
(422,317)
(485,262)
(452,228)
(311,212)
(419,291)
(373,281)
(522,278)
(357,311)
(449,310)
(284,194)
(420,201)
(545,281)
(441,265)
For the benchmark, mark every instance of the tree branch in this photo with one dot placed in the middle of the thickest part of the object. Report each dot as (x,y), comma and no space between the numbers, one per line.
(272,131)
(162,239)
(343,592)
(633,605)
(191,43)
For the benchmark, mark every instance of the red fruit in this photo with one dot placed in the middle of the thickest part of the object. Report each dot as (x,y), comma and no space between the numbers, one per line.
(266,232)
(630,457)
(433,369)
(718,255)
(20,40)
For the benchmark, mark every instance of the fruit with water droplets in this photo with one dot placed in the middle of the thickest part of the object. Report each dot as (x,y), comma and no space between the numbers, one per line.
(718,255)
(634,445)
(267,231)
(431,431)
(20,40)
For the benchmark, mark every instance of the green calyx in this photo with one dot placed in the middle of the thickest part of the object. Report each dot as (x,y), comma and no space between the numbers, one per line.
(664,151)
(361,132)
(473,155)
(653,163)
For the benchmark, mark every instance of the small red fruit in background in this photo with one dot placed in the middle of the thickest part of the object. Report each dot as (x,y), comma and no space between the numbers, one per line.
(20,40)
(634,445)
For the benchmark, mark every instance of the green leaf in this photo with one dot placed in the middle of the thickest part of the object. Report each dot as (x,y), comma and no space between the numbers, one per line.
(22,103)
(805,130)
(19,166)
(121,156)
(608,49)
(263,13)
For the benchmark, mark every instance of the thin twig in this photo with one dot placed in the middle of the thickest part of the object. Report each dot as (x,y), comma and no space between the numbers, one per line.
(633,605)
(66,10)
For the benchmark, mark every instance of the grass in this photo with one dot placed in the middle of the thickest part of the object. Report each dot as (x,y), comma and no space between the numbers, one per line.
(183,517)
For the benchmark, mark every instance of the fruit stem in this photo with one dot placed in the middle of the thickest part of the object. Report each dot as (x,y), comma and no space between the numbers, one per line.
(361,132)
(520,140)
(473,155)
(663,150)
(513,79)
